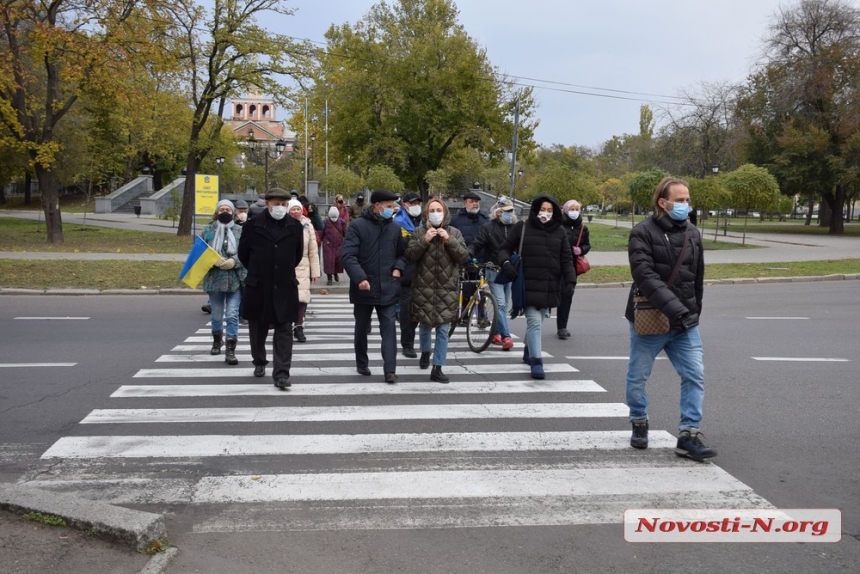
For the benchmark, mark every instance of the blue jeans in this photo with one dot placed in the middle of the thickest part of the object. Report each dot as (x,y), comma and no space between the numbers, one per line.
(440,350)
(219,300)
(684,349)
(502,293)
(534,318)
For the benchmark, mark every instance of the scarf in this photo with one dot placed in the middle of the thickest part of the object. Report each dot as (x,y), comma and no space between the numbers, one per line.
(224,232)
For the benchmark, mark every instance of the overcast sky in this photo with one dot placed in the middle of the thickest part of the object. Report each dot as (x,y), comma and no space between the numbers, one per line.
(645,46)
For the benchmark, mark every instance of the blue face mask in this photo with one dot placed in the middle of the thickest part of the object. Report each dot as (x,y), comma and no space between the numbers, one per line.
(387,213)
(679,211)
(507,217)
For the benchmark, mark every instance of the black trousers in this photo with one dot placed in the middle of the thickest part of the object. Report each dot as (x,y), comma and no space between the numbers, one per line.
(282,346)
(407,326)
(387,329)
(564,304)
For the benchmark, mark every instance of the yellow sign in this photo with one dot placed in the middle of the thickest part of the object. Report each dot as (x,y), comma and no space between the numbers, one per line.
(205,194)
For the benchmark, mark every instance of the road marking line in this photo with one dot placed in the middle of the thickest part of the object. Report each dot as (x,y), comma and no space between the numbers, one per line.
(176,446)
(51,318)
(460,484)
(24,365)
(780,318)
(337,389)
(478,370)
(358,413)
(602,358)
(334,357)
(803,359)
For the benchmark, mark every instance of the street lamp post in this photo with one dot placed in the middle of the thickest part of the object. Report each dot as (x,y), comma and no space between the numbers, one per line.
(715,169)
(256,150)
(220,161)
(311,167)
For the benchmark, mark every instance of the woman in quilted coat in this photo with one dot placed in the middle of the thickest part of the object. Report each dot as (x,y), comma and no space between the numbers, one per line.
(438,250)
(308,270)
(332,243)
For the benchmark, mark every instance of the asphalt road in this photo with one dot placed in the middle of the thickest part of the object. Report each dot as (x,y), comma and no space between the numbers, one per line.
(786,429)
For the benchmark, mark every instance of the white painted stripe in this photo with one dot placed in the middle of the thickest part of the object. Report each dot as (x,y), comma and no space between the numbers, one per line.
(51,318)
(357,413)
(267,389)
(235,372)
(464,484)
(779,318)
(346,337)
(803,359)
(173,446)
(314,329)
(332,344)
(25,365)
(602,358)
(333,357)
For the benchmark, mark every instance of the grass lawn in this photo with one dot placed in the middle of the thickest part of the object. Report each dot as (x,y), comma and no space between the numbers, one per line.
(611,238)
(23,235)
(40,274)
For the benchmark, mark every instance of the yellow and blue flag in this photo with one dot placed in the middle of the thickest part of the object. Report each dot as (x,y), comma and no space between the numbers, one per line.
(200,261)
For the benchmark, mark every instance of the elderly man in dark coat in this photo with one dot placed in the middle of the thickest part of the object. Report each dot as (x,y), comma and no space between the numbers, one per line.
(270,248)
(373,257)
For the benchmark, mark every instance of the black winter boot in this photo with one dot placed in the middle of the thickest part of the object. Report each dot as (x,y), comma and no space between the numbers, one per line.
(424,361)
(217,341)
(299,334)
(230,352)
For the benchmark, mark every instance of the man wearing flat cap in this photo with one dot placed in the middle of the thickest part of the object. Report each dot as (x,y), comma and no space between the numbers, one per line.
(469,221)
(270,248)
(373,258)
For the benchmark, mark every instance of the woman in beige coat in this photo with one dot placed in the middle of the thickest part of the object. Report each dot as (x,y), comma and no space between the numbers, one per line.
(308,270)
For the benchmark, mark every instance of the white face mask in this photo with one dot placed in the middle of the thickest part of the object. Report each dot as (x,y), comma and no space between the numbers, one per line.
(242,216)
(436,218)
(573,214)
(414,210)
(545,215)
(278,211)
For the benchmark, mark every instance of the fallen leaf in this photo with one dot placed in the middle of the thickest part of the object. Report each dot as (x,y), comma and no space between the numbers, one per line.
(256,477)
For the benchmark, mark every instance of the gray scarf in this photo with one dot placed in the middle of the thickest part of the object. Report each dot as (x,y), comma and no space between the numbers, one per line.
(224,231)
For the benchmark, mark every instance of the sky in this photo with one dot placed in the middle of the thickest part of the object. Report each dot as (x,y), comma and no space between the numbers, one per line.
(645,46)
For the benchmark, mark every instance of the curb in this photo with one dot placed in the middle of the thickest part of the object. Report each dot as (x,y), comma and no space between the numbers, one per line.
(345,290)
(133,528)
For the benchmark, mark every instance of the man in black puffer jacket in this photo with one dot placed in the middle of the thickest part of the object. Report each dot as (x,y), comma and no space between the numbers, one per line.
(547,260)
(373,257)
(656,244)
(469,222)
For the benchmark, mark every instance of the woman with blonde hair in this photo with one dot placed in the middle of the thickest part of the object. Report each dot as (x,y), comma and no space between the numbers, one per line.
(438,251)
(308,270)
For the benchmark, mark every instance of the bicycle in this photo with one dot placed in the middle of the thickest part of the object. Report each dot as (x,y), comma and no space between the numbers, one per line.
(480,314)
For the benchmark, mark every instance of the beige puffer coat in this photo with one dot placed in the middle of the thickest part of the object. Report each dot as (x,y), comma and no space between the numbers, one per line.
(435,295)
(309,268)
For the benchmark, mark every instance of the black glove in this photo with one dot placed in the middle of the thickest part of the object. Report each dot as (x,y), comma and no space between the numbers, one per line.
(687,320)
(509,270)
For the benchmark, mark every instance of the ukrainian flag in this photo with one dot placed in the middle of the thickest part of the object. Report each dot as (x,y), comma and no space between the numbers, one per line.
(200,261)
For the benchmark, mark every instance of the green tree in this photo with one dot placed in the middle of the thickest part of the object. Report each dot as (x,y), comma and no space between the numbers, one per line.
(641,188)
(564,183)
(226,52)
(406,86)
(53,53)
(437,181)
(383,177)
(800,107)
(709,193)
(341,180)
(752,187)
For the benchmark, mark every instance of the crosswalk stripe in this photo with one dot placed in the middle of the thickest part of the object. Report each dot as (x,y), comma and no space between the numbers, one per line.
(464,484)
(479,370)
(267,389)
(318,329)
(184,446)
(343,356)
(357,413)
(314,346)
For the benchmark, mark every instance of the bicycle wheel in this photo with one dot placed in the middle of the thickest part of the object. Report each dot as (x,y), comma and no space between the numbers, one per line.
(482,323)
